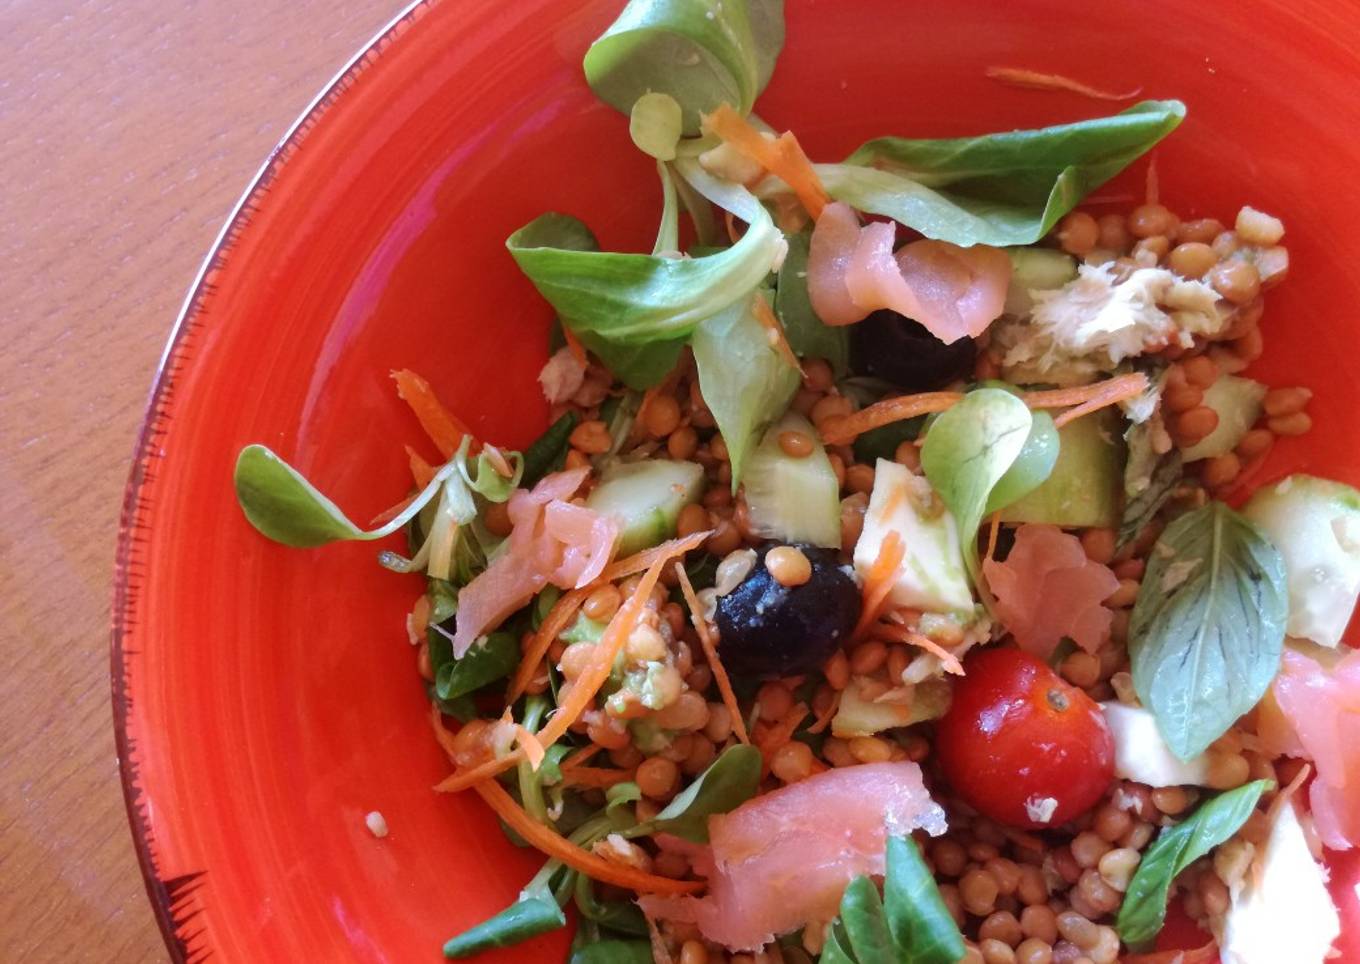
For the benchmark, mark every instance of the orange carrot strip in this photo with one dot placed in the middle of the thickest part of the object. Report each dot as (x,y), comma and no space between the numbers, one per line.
(597,777)
(1100,394)
(844,429)
(557,620)
(578,351)
(948,660)
(993,533)
(879,581)
(1036,80)
(555,845)
(443,736)
(579,757)
(439,424)
(421,471)
(497,460)
(533,750)
(643,560)
(1132,383)
(782,157)
(775,331)
(610,645)
(696,617)
(462,779)
(418,623)
(825,717)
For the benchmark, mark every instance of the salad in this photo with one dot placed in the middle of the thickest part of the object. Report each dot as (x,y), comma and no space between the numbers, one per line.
(895,581)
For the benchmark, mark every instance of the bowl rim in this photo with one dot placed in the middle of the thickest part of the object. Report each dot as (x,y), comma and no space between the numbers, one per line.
(169,898)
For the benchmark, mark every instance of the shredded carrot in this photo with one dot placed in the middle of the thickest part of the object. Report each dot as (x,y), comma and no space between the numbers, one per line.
(557,620)
(993,533)
(1088,398)
(643,560)
(421,471)
(770,737)
(783,157)
(579,757)
(419,621)
(825,717)
(1036,80)
(1152,190)
(443,428)
(462,779)
(878,582)
(775,331)
(696,617)
(578,351)
(533,750)
(442,734)
(553,844)
(582,694)
(948,660)
(846,428)
(597,777)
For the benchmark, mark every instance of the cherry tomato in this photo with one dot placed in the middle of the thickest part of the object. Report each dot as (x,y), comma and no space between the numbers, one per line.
(1021,745)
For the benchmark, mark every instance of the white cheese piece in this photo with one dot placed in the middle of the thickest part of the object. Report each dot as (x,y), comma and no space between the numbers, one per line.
(1093,323)
(1141,755)
(1040,809)
(1284,913)
(932,576)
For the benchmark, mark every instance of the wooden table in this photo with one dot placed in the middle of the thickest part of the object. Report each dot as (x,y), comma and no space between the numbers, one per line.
(129,129)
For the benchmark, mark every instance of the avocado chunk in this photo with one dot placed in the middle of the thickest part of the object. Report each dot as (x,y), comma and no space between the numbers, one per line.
(645,499)
(1086,485)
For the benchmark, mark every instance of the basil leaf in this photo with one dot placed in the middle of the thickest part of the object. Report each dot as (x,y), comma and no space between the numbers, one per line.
(1149,480)
(616,915)
(280,503)
(548,453)
(1002,189)
(864,924)
(921,925)
(968,450)
(729,781)
(531,915)
(613,952)
(744,381)
(1144,909)
(1031,467)
(483,663)
(1208,629)
(634,310)
(808,335)
(701,53)
(910,924)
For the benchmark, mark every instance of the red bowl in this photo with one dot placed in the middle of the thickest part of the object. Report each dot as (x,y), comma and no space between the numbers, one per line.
(266,699)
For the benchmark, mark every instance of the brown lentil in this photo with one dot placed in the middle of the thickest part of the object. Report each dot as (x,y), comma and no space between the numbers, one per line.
(602,603)
(837,671)
(1286,401)
(980,852)
(1298,423)
(606,734)
(1138,837)
(792,762)
(868,658)
(657,778)
(1111,823)
(1226,770)
(1225,243)
(725,538)
(1200,229)
(831,406)
(948,856)
(1256,442)
(1114,234)
(1148,220)
(817,375)
(1081,669)
(693,518)
(796,444)
(1039,922)
(788,565)
(860,478)
(1006,873)
(1250,346)
(1238,281)
(837,752)
(1031,889)
(1149,251)
(1126,595)
(1117,867)
(1170,800)
(1033,951)
(1098,544)
(688,713)
(949,893)
(996,952)
(661,417)
(978,892)
(1088,848)
(774,701)
(1182,398)
(1195,425)
(1221,470)
(870,749)
(693,952)
(497,518)
(591,437)
(1078,233)
(1192,259)
(683,443)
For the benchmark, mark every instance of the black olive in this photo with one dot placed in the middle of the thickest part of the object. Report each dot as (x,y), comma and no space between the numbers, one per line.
(767,630)
(895,348)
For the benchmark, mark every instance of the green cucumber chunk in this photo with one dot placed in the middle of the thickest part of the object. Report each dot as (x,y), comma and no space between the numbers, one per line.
(1237,401)
(1086,485)
(1035,269)
(1315,523)
(793,498)
(645,498)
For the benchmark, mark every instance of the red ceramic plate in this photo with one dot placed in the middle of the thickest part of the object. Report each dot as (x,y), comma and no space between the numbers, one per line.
(265,698)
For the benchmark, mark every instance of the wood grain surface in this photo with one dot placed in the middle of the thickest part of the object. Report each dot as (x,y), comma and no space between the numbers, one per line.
(129,129)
